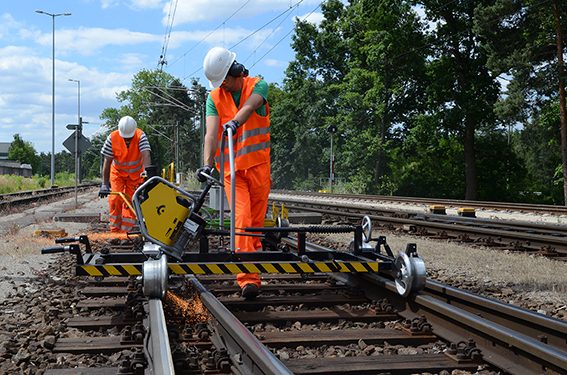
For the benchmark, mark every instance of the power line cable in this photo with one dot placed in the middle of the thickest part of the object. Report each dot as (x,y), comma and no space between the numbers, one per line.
(285,36)
(269,35)
(211,32)
(266,24)
(249,35)
(169,26)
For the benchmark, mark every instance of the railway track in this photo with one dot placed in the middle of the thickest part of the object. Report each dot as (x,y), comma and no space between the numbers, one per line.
(548,240)
(151,307)
(320,323)
(502,206)
(23,198)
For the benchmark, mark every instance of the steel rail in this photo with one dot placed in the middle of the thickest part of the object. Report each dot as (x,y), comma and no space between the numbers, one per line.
(509,225)
(248,355)
(157,346)
(26,193)
(503,347)
(532,324)
(513,339)
(546,208)
(15,199)
(450,226)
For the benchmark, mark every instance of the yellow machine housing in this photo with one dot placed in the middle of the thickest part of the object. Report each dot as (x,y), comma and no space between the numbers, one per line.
(164,210)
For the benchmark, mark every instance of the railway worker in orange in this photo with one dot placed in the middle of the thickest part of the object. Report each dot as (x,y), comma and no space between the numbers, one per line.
(239,102)
(126,153)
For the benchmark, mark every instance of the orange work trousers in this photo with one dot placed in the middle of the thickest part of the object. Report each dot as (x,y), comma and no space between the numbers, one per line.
(252,191)
(121,218)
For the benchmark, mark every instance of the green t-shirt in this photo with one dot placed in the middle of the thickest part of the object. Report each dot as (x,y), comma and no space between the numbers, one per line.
(261,88)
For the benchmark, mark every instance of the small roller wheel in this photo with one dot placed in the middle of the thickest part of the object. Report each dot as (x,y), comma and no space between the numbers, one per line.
(366,229)
(155,275)
(281,223)
(410,275)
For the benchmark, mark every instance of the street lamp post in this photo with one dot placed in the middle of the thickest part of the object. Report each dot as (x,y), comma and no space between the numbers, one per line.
(53,15)
(77,132)
(332,129)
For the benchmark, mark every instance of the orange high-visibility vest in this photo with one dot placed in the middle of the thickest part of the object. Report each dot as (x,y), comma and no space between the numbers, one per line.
(128,161)
(252,146)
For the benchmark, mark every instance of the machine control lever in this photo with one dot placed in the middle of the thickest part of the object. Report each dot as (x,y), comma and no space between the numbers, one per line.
(71,249)
(80,239)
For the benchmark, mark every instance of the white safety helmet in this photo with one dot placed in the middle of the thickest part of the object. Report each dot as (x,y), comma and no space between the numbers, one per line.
(217,63)
(127,127)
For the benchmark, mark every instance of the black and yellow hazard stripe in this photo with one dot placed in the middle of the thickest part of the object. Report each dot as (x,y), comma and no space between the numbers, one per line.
(110,270)
(231,268)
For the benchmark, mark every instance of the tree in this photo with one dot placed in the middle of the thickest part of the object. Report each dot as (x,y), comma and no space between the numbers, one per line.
(359,71)
(382,90)
(525,40)
(168,112)
(462,90)
(24,152)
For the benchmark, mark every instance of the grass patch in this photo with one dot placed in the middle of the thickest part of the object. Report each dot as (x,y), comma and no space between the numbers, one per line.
(13,183)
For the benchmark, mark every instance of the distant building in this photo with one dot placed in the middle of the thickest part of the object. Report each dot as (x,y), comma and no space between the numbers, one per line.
(16,168)
(4,147)
(11,166)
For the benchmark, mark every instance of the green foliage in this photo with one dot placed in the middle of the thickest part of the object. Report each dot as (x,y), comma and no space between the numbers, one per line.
(169,113)
(538,148)
(24,152)
(521,41)
(42,181)
(13,183)
(65,179)
(429,162)
(91,160)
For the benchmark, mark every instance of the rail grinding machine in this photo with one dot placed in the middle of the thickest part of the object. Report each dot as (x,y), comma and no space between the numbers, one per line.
(170,221)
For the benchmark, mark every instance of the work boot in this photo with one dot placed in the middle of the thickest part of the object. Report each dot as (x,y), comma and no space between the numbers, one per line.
(250,291)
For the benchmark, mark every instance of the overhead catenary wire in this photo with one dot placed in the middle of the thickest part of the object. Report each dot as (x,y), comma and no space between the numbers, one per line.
(170,17)
(270,34)
(284,37)
(254,32)
(211,32)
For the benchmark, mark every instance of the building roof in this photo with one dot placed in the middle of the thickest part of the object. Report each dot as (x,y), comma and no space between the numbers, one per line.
(4,147)
(10,163)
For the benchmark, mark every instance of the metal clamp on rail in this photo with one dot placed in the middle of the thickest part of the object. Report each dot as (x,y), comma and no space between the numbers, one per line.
(71,249)
(80,239)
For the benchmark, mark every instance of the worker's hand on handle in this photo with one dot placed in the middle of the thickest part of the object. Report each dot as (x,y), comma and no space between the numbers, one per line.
(149,172)
(232,124)
(203,172)
(104,190)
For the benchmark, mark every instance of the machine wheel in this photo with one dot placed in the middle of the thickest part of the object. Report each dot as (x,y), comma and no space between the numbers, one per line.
(281,223)
(155,275)
(366,229)
(410,275)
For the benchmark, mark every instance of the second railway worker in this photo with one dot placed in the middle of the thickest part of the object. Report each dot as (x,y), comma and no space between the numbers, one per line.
(240,102)
(126,154)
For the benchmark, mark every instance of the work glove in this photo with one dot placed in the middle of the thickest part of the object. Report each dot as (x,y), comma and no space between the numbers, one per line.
(232,124)
(104,191)
(149,172)
(206,169)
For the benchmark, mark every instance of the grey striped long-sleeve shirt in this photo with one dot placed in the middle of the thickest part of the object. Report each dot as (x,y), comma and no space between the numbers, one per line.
(144,145)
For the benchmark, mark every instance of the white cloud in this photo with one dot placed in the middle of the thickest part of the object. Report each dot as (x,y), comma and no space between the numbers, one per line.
(23,73)
(7,25)
(132,61)
(314,18)
(148,4)
(223,36)
(105,4)
(274,63)
(88,41)
(210,10)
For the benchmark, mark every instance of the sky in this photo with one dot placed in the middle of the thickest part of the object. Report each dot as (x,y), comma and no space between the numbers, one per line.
(104,43)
